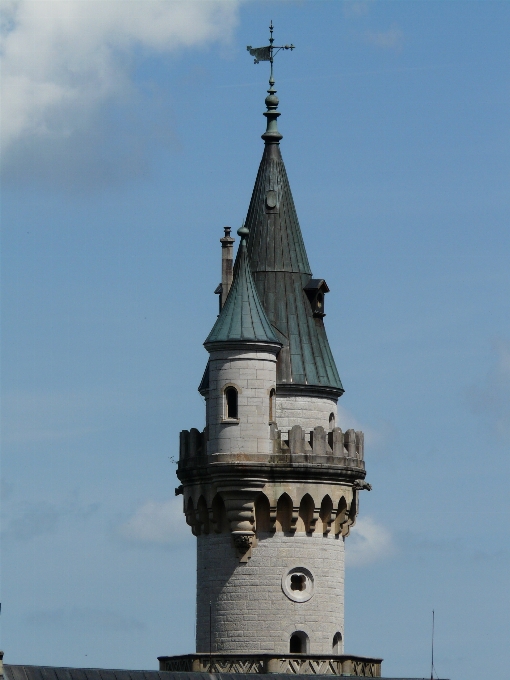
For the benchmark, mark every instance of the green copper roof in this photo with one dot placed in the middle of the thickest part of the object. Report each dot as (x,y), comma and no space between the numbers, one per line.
(281,270)
(242,318)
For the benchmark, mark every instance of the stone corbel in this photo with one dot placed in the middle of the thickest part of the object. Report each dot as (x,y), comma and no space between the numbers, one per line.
(313,520)
(272,518)
(243,543)
(294,518)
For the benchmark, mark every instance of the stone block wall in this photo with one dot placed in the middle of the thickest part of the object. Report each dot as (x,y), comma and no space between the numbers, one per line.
(253,374)
(250,611)
(309,412)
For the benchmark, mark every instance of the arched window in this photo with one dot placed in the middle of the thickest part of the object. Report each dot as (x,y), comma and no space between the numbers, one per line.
(337,643)
(331,422)
(299,643)
(231,403)
(272,406)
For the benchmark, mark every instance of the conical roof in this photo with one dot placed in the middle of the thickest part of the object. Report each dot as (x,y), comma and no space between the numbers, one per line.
(242,318)
(281,270)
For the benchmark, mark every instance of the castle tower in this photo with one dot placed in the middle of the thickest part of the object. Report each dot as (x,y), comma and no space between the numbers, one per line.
(270,487)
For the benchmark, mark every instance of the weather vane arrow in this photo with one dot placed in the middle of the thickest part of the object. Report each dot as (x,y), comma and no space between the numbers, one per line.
(267,53)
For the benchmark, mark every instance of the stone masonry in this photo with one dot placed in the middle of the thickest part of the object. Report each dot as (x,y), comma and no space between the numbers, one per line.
(251,612)
(253,374)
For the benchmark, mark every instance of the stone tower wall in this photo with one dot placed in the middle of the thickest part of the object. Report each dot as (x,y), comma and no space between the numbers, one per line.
(308,412)
(250,612)
(253,374)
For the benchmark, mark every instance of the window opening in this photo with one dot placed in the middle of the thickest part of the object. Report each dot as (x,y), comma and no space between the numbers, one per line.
(272,406)
(337,643)
(298,643)
(295,645)
(331,421)
(231,402)
(298,582)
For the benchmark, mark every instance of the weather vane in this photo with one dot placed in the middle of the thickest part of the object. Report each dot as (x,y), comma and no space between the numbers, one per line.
(272,134)
(268,53)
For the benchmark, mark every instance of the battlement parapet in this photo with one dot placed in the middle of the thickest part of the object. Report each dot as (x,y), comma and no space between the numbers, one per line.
(315,445)
(192,443)
(349,444)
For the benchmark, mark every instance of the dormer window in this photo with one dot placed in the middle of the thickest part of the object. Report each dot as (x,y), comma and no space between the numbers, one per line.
(231,412)
(315,290)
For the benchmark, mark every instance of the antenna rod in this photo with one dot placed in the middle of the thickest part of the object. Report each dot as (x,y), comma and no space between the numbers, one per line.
(432,660)
(210,636)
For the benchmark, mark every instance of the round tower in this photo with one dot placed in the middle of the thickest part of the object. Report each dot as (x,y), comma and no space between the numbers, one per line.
(270,487)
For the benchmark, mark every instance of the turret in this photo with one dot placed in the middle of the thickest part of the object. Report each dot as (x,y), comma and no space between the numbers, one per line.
(270,487)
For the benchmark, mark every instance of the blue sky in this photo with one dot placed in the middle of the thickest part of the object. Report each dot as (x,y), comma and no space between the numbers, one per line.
(131,136)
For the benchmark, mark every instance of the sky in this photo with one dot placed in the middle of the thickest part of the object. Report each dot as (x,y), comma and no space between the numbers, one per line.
(130,137)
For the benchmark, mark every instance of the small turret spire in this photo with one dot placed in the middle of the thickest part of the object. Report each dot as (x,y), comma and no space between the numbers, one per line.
(272,134)
(242,317)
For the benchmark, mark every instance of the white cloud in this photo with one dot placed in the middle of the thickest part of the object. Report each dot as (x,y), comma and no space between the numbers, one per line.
(377,439)
(160,523)
(390,40)
(492,397)
(353,9)
(367,542)
(62,59)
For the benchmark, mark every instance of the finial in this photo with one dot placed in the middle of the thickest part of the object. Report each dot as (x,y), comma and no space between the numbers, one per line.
(271,135)
(243,232)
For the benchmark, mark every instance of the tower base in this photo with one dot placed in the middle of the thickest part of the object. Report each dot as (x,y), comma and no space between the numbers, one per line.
(346,665)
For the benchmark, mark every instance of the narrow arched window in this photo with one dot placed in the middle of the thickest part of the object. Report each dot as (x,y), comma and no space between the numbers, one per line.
(272,406)
(337,644)
(331,421)
(298,643)
(231,403)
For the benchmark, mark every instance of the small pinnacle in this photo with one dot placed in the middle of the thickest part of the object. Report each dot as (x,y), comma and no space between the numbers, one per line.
(243,232)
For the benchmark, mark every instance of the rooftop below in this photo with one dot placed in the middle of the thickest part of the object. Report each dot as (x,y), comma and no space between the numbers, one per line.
(22,672)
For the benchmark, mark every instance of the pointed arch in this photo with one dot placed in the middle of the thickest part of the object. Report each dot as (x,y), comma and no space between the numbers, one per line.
(284,509)
(262,514)
(325,513)
(219,513)
(341,515)
(191,517)
(306,510)
(203,515)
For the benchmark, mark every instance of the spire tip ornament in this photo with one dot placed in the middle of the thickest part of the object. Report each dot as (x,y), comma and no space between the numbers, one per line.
(267,53)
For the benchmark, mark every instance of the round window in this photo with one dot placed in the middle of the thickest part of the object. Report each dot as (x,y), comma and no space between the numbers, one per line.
(298,584)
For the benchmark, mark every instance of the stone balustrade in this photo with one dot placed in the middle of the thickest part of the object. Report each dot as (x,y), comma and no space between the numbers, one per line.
(291,664)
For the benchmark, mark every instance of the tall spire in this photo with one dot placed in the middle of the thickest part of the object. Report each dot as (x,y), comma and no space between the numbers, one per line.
(280,266)
(272,134)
